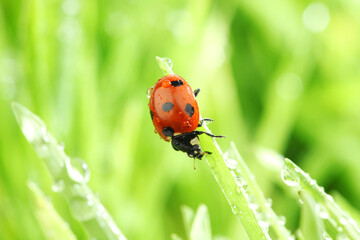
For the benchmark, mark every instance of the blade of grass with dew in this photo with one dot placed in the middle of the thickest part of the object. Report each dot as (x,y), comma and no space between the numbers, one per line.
(293,176)
(51,223)
(310,224)
(70,177)
(346,206)
(236,195)
(259,203)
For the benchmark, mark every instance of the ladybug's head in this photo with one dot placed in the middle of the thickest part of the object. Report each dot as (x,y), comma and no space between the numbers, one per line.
(189,143)
(195,152)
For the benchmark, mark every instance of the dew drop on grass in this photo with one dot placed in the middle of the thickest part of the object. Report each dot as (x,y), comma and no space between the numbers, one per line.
(326,236)
(61,146)
(77,170)
(264,225)
(83,208)
(342,236)
(149,92)
(168,62)
(323,213)
(235,209)
(229,158)
(288,178)
(58,185)
(281,220)
(268,202)
(241,182)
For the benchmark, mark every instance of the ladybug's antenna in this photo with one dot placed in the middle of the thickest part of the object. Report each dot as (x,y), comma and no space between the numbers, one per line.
(194,163)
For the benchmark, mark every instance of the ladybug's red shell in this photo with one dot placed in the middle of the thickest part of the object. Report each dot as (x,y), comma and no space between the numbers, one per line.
(173,107)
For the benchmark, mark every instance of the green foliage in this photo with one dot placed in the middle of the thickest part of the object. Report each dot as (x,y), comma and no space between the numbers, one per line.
(70,177)
(52,224)
(266,79)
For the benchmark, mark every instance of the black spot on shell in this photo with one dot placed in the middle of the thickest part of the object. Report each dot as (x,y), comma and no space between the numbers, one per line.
(168,131)
(189,109)
(167,106)
(177,83)
(152,115)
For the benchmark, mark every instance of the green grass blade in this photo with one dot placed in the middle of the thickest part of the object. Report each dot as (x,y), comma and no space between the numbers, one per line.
(310,224)
(165,64)
(51,223)
(346,206)
(201,228)
(294,176)
(261,205)
(188,217)
(235,193)
(70,177)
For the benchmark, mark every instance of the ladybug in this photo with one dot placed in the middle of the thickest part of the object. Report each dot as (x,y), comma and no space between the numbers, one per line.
(175,115)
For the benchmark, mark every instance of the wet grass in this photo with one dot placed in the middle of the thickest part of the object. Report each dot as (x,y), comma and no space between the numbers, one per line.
(268,82)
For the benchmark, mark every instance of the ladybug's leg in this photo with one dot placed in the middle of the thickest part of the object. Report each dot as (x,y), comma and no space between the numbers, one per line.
(203,120)
(197,133)
(196,91)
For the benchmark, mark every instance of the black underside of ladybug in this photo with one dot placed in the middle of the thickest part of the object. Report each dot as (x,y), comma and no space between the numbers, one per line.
(189,143)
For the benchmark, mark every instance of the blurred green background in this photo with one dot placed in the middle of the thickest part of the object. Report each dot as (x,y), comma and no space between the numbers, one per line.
(280,75)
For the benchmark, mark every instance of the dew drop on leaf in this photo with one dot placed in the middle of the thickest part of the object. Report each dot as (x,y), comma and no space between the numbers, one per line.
(288,178)
(149,92)
(77,170)
(326,236)
(83,208)
(229,158)
(268,202)
(58,185)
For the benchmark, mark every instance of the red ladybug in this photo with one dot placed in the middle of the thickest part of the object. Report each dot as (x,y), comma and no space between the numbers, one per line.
(175,114)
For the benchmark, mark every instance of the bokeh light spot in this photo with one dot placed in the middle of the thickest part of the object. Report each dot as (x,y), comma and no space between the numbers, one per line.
(316,17)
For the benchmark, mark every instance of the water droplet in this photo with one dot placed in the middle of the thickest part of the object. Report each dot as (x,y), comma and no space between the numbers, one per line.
(241,182)
(77,170)
(326,236)
(235,209)
(323,213)
(58,185)
(229,158)
(313,182)
(281,220)
(149,92)
(288,178)
(83,208)
(44,135)
(268,202)
(61,146)
(253,206)
(343,221)
(264,225)
(168,62)
(330,198)
(342,236)
(301,201)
